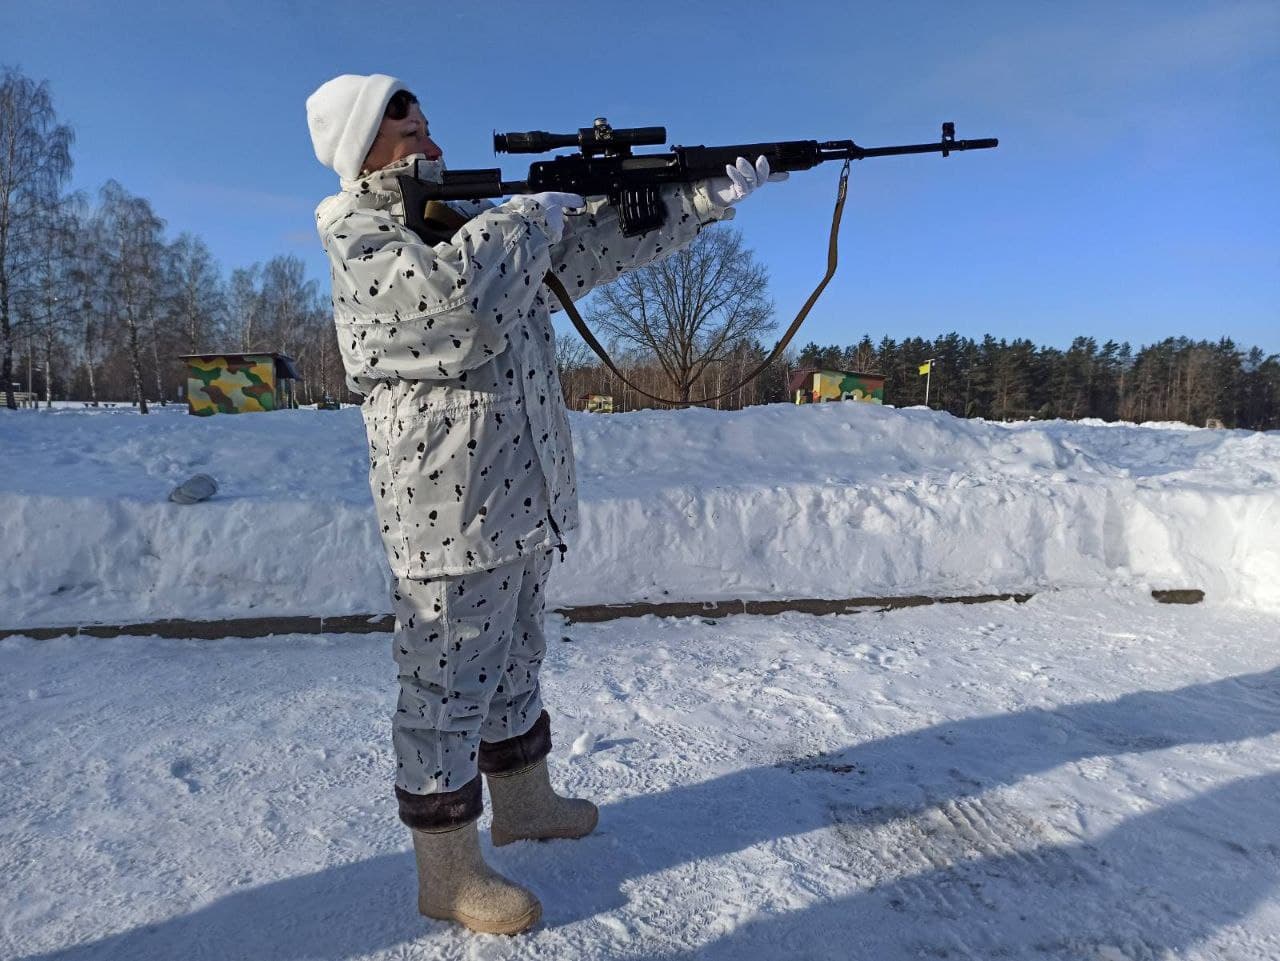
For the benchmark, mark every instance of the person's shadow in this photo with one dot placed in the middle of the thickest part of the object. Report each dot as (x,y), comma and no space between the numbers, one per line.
(361,908)
(1154,887)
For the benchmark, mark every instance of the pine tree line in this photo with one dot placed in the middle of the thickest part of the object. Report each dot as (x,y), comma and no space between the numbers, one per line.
(1177,379)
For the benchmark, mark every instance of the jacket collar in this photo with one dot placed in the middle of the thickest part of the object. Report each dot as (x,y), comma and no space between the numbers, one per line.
(383,183)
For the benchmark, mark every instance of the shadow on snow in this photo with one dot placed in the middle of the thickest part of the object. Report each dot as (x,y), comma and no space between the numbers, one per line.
(978,877)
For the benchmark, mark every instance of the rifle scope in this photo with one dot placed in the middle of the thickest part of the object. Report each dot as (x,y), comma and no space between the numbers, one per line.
(600,138)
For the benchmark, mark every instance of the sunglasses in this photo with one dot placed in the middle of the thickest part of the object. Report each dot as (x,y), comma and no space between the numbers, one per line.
(398,106)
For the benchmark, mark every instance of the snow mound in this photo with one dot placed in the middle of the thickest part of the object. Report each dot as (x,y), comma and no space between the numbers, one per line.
(833,500)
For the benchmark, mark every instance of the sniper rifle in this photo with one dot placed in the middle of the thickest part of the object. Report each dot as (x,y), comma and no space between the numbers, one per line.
(605,165)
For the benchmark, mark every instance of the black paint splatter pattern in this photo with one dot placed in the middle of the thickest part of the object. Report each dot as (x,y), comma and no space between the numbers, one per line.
(470,456)
(454,347)
(468,649)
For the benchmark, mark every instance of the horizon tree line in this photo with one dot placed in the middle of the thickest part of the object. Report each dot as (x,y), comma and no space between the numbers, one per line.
(1176,379)
(96,304)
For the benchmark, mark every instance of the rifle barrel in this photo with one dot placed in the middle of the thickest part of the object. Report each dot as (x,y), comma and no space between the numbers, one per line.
(943,147)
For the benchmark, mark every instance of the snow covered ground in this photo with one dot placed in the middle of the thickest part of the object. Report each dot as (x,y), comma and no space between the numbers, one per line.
(833,500)
(1086,777)
(1089,775)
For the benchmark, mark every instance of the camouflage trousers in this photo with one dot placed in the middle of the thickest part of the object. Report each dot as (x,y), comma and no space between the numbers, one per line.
(468,648)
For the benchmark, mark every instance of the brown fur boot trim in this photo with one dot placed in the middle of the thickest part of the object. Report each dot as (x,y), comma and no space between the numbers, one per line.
(517,753)
(439,812)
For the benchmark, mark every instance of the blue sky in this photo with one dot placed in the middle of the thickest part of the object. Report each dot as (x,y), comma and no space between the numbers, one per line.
(1135,193)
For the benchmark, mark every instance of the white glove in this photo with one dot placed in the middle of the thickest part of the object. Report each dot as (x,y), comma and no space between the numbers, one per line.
(554,204)
(742,179)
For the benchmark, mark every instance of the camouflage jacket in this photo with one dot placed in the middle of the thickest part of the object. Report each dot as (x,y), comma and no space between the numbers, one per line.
(470,455)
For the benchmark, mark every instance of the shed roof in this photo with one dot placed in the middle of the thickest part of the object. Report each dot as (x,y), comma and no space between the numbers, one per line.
(800,377)
(285,365)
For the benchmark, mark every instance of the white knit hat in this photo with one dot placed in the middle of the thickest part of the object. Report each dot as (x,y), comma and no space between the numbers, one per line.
(344,115)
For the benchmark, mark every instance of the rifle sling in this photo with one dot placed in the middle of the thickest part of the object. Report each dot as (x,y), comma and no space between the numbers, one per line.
(443,219)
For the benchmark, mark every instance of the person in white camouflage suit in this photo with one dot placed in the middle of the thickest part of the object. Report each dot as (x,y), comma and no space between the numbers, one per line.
(471,466)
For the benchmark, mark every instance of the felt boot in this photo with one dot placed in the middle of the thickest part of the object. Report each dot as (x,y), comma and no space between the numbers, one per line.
(455,884)
(526,808)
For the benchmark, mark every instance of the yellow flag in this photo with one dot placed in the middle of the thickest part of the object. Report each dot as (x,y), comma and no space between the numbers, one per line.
(924,368)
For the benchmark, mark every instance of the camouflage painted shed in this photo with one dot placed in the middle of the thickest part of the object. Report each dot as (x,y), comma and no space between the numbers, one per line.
(239,383)
(597,403)
(813,385)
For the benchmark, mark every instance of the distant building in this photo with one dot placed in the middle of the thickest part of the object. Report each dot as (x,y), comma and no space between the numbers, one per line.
(813,385)
(597,403)
(239,383)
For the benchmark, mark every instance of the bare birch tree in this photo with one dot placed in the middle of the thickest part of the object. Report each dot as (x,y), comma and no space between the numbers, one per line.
(35,161)
(88,332)
(47,300)
(244,305)
(130,234)
(197,301)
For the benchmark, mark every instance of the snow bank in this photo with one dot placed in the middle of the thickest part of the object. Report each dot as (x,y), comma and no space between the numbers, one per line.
(833,500)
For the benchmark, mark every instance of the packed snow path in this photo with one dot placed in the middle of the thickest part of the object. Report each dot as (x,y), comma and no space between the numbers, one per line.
(1086,776)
